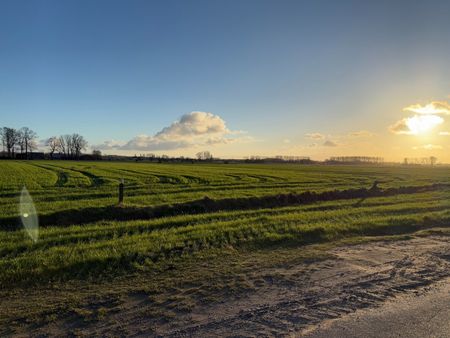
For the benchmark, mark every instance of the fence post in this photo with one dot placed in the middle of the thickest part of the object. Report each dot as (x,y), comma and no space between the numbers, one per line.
(121,192)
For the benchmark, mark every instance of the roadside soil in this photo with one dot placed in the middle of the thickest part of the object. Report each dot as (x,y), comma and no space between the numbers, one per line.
(370,289)
(297,299)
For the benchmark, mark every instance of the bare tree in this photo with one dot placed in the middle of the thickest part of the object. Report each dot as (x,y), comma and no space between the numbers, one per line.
(28,140)
(65,146)
(204,155)
(433,160)
(3,141)
(10,139)
(20,141)
(78,144)
(53,145)
(96,154)
(69,146)
(61,146)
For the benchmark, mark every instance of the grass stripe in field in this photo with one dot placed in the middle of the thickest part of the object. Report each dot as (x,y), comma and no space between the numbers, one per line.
(184,182)
(341,210)
(124,246)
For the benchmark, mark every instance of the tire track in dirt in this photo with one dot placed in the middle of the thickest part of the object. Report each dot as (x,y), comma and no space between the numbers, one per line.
(360,277)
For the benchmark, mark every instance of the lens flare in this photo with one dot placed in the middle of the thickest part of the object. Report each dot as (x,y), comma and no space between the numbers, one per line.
(28,215)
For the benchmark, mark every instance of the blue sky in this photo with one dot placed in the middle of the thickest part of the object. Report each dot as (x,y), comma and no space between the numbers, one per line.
(280,71)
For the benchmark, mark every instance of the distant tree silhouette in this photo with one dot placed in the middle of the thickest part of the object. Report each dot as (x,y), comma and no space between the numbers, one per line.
(71,146)
(10,139)
(96,154)
(433,160)
(27,140)
(21,142)
(78,143)
(53,145)
(204,155)
(63,147)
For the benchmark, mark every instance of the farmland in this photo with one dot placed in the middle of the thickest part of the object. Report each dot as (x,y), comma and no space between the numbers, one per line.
(85,236)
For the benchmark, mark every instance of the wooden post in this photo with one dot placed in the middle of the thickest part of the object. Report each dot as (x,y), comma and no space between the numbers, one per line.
(374,186)
(121,193)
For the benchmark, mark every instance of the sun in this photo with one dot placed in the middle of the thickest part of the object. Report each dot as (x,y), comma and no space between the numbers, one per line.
(421,124)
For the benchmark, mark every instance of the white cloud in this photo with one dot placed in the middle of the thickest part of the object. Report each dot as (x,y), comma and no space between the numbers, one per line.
(400,127)
(315,136)
(192,125)
(326,141)
(330,143)
(110,144)
(432,108)
(191,130)
(428,147)
(361,133)
(145,142)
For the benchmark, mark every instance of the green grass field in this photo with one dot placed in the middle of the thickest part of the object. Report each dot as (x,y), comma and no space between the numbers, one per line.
(71,247)
(92,252)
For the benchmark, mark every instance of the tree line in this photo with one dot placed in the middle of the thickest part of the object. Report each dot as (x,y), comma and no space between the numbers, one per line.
(69,146)
(15,141)
(23,141)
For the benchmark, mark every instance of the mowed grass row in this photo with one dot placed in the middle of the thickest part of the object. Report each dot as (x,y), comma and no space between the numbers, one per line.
(64,185)
(107,249)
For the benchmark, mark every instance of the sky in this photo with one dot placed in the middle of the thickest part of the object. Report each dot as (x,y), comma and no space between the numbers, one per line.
(238,77)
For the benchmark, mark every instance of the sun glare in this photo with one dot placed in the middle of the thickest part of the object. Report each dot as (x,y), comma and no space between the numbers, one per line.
(422,124)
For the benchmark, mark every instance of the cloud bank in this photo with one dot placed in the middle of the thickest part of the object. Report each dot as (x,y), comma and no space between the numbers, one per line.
(191,130)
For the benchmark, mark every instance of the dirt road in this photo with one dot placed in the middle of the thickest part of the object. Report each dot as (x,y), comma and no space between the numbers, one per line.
(408,315)
(300,300)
